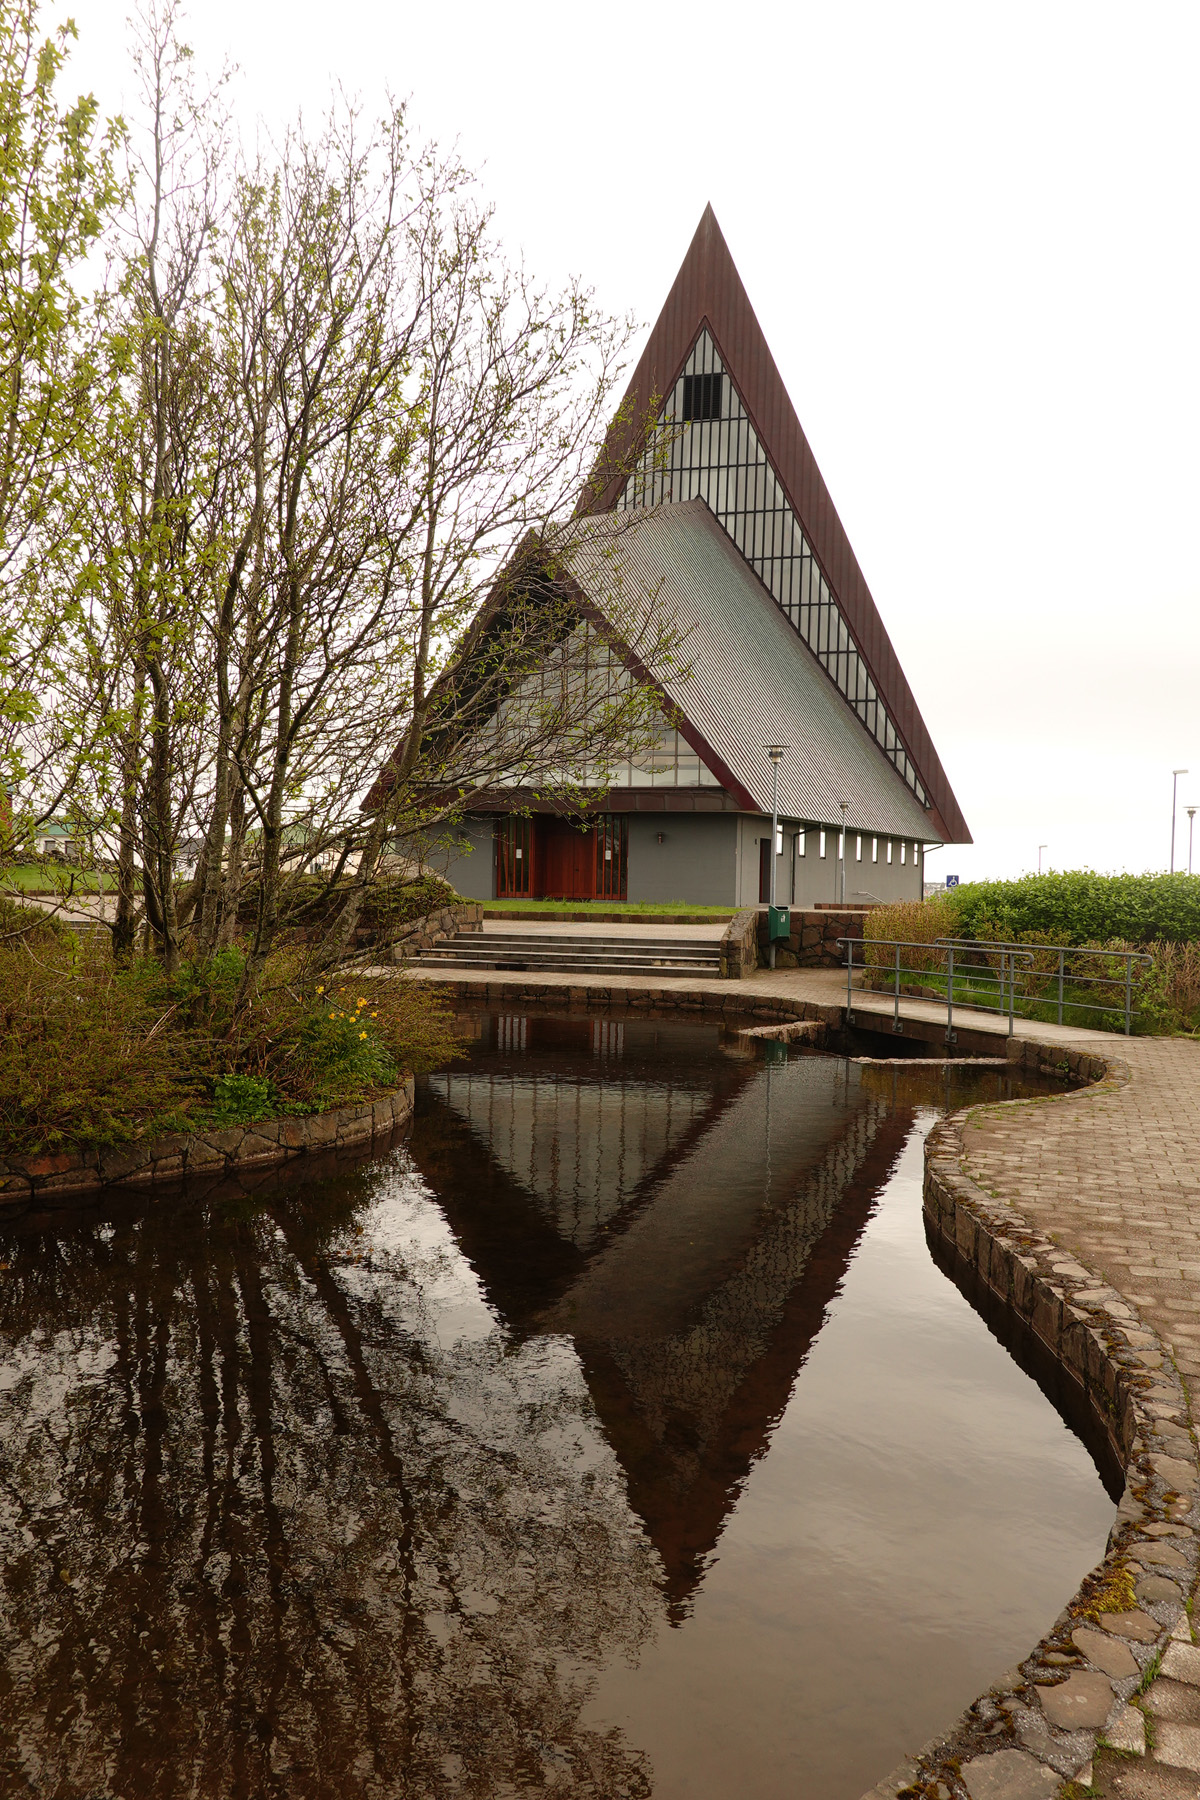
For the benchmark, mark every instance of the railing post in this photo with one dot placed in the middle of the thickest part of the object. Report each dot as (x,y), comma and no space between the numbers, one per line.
(849,974)
(1061,960)
(1128,993)
(950,994)
(1012,984)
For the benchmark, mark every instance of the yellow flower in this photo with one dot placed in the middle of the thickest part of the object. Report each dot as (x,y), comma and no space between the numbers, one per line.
(374,1015)
(362,1003)
(333,1015)
(321,990)
(362,1034)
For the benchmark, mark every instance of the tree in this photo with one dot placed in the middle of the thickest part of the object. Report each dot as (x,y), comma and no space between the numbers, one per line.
(335,408)
(58,187)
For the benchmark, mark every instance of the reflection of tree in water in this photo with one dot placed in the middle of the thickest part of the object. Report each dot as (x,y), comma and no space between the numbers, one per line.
(264,1533)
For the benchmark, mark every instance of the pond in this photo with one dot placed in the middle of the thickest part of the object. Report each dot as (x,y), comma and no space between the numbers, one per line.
(616,1434)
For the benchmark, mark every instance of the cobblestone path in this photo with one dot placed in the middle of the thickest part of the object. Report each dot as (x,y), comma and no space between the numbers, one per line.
(1114,1179)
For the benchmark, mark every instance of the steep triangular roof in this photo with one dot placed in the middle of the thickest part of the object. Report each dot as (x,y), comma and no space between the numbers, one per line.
(744,679)
(708,324)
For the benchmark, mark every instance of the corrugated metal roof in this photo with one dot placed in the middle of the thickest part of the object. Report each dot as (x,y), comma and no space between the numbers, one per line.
(708,292)
(750,680)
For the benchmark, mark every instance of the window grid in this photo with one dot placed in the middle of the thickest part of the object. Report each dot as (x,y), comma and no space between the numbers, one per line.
(722,462)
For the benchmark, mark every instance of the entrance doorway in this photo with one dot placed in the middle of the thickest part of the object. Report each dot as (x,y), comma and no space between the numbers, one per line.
(546,858)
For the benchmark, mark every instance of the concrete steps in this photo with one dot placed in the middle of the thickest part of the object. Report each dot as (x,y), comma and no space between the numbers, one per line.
(584,953)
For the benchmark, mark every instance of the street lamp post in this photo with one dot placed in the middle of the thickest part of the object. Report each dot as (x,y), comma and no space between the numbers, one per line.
(774,751)
(1175,774)
(1191,813)
(1041,847)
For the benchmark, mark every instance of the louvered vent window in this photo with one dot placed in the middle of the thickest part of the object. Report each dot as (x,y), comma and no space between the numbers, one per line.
(701,397)
(718,458)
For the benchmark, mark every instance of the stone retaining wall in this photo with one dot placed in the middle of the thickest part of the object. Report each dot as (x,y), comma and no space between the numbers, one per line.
(422,934)
(641,998)
(813,941)
(1038,1725)
(50,1179)
(739,945)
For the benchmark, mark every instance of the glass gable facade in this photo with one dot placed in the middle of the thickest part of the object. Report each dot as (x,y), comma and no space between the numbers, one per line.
(523,721)
(719,459)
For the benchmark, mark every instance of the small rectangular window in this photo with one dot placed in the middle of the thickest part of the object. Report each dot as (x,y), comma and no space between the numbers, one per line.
(874,849)
(841,846)
(858,848)
(701,397)
(889,854)
(916,854)
(903,849)
(822,843)
(800,837)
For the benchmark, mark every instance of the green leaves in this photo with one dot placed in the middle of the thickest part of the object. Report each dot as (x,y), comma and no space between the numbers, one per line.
(1077,906)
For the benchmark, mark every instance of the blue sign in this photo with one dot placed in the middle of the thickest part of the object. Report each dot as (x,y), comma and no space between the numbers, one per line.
(951,881)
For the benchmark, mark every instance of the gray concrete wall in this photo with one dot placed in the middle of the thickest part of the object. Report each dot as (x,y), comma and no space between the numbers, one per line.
(710,859)
(696,861)
(812,878)
(467,860)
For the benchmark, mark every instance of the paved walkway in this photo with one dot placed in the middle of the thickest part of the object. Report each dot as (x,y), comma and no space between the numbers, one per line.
(1114,1179)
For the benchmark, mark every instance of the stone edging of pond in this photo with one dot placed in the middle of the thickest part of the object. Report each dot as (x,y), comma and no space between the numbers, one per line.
(57,1179)
(1039,1725)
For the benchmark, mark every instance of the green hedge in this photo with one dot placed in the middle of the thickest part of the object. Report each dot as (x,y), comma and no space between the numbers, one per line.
(1079,907)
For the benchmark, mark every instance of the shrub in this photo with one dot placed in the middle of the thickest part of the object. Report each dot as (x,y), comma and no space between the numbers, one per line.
(27,924)
(85,1055)
(911,922)
(308,905)
(95,1054)
(1079,907)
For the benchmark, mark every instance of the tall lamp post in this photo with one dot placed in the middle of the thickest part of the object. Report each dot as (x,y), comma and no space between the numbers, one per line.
(774,751)
(1191,813)
(1175,774)
(842,847)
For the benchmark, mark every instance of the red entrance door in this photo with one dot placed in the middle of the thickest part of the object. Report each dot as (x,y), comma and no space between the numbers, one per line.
(567,865)
(582,865)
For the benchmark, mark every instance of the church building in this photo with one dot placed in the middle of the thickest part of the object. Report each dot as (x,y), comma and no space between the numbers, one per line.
(789,676)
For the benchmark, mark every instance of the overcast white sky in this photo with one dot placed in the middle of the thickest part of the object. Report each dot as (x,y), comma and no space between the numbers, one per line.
(971,234)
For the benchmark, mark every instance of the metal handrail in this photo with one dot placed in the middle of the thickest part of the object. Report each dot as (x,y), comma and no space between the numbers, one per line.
(1123,982)
(1009,954)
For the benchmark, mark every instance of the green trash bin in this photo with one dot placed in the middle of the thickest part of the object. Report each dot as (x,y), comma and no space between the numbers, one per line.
(779,923)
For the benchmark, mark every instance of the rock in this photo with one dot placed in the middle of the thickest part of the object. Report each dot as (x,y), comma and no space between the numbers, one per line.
(1163,1556)
(1174,1700)
(1081,1701)
(1128,1732)
(1154,1590)
(1178,1746)
(1009,1775)
(1136,1625)
(1182,1663)
(1175,1473)
(1114,1658)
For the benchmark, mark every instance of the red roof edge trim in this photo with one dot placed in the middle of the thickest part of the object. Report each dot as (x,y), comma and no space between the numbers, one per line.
(708,292)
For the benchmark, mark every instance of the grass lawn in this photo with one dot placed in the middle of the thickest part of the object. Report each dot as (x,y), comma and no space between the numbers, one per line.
(634,908)
(53,878)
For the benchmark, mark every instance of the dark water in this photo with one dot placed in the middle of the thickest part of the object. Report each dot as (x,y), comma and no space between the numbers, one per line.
(615,1436)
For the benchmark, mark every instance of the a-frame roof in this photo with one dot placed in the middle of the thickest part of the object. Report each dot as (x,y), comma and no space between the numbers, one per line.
(744,679)
(708,295)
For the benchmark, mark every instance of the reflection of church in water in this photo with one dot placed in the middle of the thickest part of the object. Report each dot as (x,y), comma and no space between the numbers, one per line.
(685,1221)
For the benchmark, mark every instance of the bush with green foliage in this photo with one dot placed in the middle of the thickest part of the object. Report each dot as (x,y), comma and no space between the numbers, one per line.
(96,1054)
(1076,906)
(1076,909)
